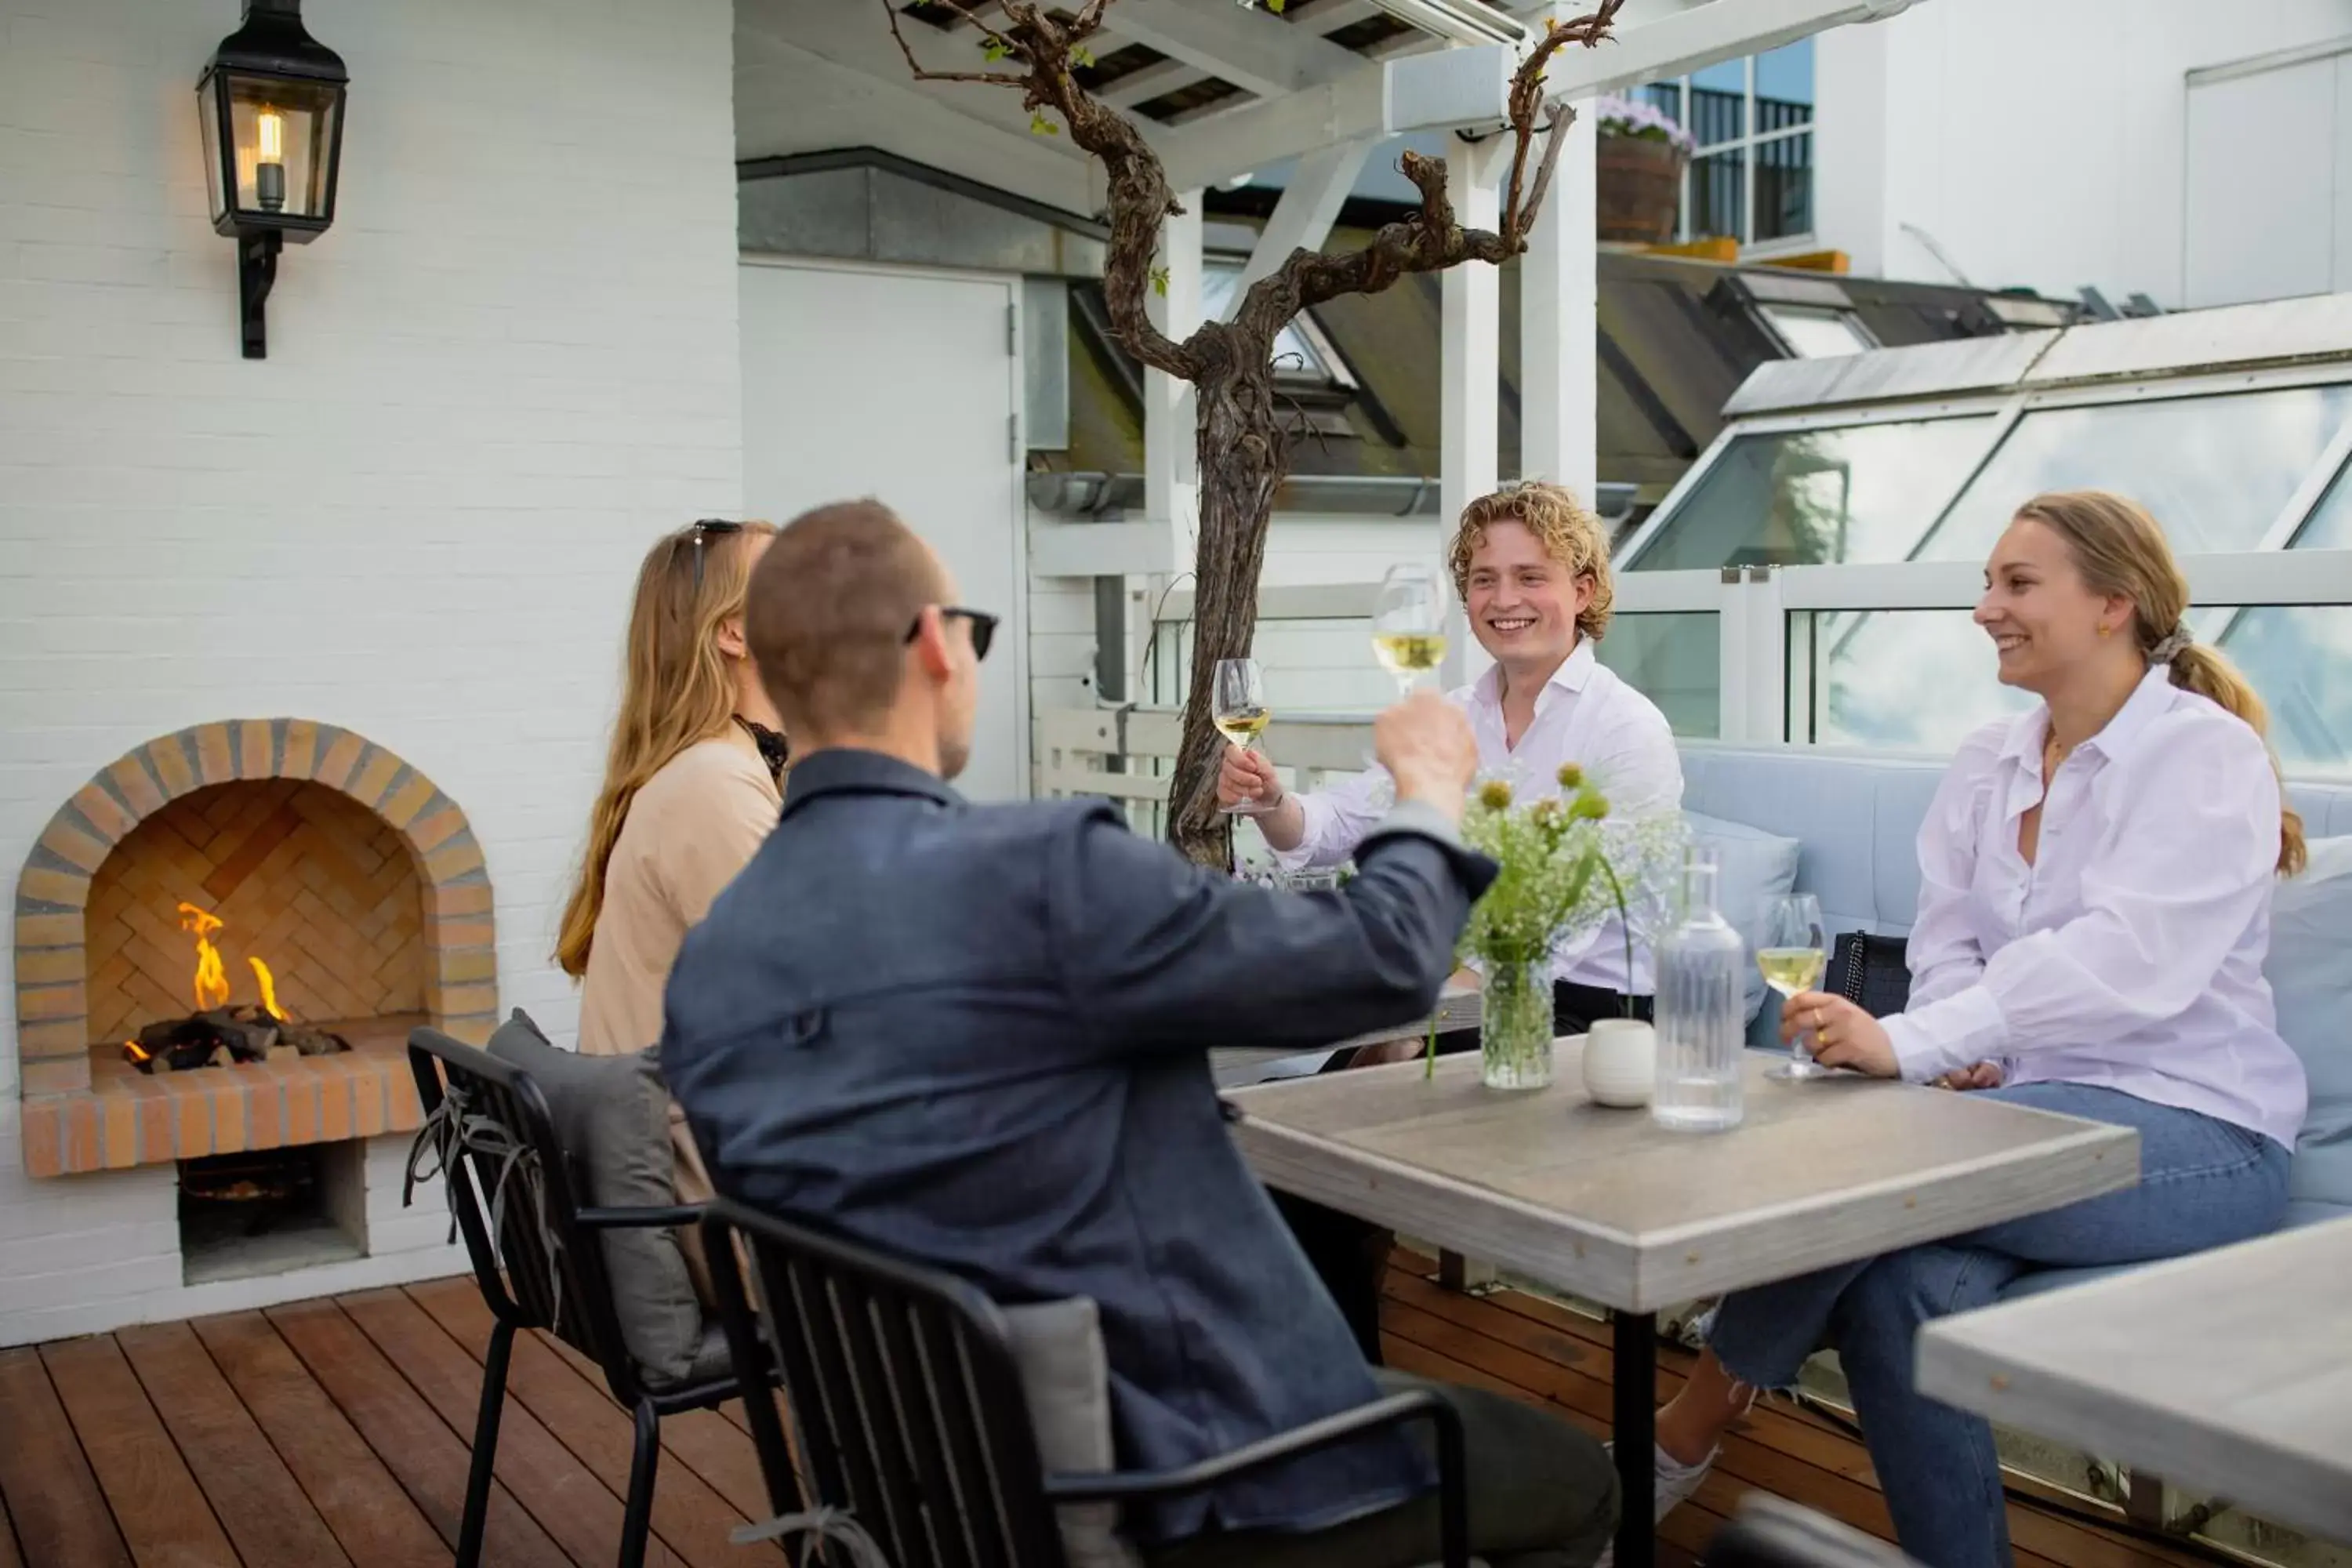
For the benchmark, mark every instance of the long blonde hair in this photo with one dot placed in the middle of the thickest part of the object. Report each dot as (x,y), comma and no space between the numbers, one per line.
(2118,548)
(676,691)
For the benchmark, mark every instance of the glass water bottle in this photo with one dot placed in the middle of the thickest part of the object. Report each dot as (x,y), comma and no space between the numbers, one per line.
(1702,983)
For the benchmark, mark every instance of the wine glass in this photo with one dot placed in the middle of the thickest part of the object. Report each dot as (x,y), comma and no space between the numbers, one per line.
(1791,953)
(1240,714)
(1409,622)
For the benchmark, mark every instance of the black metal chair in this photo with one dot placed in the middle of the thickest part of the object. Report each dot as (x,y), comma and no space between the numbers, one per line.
(912,1418)
(1772,1533)
(513,1192)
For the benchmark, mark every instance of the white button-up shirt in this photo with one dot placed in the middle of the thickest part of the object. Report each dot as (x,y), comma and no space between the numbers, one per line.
(2130,954)
(1585,715)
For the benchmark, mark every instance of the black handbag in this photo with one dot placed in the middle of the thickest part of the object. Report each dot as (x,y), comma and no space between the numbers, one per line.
(1872,972)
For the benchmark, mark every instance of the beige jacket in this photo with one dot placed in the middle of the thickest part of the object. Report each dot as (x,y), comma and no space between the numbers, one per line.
(693,826)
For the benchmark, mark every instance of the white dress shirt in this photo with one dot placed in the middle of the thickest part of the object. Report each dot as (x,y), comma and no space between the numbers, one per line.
(2130,954)
(1585,715)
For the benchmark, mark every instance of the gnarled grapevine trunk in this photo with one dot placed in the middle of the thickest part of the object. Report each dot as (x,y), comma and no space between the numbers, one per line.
(1242,444)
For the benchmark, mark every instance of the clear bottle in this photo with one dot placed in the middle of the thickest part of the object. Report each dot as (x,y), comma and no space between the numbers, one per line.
(1702,968)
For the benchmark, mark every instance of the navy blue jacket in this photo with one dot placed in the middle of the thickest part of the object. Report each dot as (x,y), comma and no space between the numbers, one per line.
(978,1036)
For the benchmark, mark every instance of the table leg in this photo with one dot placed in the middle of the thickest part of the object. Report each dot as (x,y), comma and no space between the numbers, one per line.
(1635,1391)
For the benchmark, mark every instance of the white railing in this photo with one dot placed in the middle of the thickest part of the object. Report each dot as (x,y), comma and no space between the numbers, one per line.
(1761,615)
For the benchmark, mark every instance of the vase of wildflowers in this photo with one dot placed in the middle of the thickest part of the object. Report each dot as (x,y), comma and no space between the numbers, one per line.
(1553,879)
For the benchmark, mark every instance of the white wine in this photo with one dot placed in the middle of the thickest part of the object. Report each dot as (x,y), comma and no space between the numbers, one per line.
(1404,654)
(1790,970)
(1243,725)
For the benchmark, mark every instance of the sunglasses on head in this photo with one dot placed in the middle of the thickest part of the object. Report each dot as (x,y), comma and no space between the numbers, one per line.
(983,626)
(704,527)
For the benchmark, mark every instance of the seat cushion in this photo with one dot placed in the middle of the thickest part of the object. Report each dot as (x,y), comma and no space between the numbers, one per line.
(612,1114)
(1757,867)
(2040,1281)
(1066,1381)
(2310,972)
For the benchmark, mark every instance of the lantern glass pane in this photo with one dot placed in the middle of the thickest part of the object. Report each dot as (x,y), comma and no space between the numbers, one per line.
(209,120)
(284,135)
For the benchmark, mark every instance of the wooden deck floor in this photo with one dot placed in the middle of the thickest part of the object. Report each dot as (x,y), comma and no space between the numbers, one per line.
(334,1432)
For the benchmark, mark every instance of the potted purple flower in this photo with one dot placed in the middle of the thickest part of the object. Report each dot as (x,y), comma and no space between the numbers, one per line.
(1639,160)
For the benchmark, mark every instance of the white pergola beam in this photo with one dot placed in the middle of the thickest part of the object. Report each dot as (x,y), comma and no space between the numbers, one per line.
(1705,35)
(1559,299)
(1148,82)
(1172,482)
(1356,105)
(1250,49)
(1471,379)
(1310,204)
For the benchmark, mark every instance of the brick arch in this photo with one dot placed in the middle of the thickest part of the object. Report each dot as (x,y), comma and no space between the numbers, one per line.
(53,890)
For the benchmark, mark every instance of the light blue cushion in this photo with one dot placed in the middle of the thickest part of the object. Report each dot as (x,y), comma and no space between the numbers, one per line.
(1757,867)
(2310,972)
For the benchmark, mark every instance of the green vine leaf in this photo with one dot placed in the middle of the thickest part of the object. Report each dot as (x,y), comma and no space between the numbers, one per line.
(1041,126)
(1159,282)
(1081,55)
(994,50)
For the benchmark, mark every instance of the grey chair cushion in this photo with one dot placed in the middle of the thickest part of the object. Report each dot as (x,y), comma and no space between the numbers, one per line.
(1066,1379)
(2310,971)
(613,1114)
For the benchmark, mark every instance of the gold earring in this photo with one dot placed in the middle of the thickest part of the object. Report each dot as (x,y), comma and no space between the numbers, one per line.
(2105,630)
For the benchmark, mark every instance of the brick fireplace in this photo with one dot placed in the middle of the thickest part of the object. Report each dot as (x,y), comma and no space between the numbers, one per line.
(356,879)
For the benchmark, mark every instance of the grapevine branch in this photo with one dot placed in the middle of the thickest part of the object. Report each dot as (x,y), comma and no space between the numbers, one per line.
(1242,441)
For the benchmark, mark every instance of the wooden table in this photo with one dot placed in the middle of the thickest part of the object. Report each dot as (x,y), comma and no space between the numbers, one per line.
(1607,1205)
(2230,1370)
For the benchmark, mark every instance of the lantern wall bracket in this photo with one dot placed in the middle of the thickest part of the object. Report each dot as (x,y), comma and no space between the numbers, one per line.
(257,269)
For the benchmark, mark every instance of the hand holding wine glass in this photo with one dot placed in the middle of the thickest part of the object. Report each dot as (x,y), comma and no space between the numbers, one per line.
(1240,714)
(1409,622)
(1791,955)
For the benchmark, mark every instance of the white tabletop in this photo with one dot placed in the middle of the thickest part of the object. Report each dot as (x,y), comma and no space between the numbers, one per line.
(2229,1371)
(1609,1205)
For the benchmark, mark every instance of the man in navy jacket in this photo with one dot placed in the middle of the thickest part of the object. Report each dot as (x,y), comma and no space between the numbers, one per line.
(978,1036)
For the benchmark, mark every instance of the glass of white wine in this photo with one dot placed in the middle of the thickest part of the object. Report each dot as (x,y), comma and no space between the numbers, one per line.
(1791,955)
(1240,713)
(1409,622)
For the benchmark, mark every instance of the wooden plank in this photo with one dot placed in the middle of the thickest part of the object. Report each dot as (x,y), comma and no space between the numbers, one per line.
(1607,1205)
(1777,1448)
(9,1558)
(156,1503)
(2256,1398)
(59,1514)
(414,1444)
(574,1508)
(375,1521)
(714,1444)
(688,1515)
(260,1504)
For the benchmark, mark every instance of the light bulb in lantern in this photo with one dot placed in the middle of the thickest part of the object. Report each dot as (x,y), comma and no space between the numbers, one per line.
(270,165)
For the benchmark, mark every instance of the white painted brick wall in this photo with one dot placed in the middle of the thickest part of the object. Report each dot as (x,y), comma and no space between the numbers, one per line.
(510,364)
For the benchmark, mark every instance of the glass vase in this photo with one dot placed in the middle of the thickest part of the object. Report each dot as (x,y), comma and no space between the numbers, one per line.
(1515,1025)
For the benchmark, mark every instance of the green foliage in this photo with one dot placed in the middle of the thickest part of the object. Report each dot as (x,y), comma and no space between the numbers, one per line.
(1041,126)
(1081,55)
(1159,282)
(1551,856)
(994,51)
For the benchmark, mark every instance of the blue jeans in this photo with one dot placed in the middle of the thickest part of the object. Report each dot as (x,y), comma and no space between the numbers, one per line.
(2203,1183)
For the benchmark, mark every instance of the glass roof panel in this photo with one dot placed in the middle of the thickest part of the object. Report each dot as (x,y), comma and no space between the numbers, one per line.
(1854,492)
(1816,334)
(2329,527)
(2214,470)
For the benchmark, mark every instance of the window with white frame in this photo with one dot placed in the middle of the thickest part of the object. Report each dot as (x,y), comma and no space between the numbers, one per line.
(1752,177)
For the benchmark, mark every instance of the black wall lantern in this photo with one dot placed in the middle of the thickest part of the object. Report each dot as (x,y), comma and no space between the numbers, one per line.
(271,100)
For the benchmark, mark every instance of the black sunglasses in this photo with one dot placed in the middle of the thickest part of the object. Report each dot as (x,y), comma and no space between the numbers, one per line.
(704,527)
(983,627)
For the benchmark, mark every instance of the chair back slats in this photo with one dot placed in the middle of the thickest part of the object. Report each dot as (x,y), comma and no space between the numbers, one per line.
(923,1420)
(902,1386)
(514,1190)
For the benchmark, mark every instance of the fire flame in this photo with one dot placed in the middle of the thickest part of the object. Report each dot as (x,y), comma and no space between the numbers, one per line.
(268,989)
(211,982)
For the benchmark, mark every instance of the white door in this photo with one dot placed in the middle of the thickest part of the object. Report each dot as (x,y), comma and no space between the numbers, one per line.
(901,385)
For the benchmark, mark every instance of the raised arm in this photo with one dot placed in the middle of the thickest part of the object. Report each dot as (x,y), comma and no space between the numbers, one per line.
(1162,954)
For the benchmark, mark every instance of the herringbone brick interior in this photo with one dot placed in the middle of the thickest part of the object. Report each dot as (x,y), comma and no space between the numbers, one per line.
(303,878)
